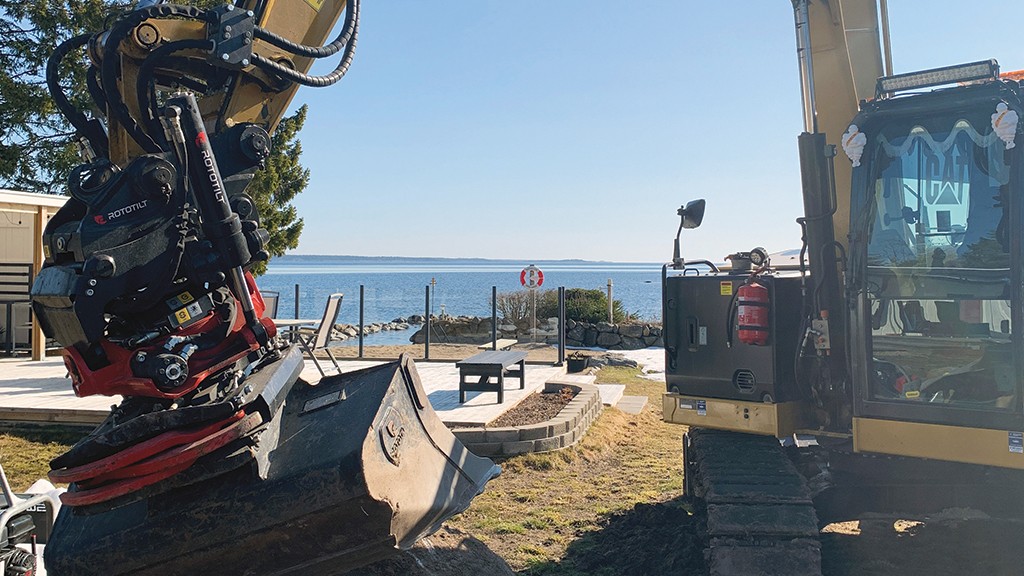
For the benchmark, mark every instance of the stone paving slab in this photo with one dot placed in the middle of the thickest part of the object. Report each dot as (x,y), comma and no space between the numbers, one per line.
(632,404)
(40,391)
(611,393)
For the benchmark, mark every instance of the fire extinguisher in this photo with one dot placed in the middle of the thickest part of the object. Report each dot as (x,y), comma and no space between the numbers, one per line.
(752,313)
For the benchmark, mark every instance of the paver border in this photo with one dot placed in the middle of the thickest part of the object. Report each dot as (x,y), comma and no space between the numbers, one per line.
(562,431)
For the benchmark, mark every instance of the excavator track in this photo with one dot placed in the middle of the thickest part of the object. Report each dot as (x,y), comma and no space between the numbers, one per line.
(760,518)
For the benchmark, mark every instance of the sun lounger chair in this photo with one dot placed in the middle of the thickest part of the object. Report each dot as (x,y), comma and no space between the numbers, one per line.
(319,338)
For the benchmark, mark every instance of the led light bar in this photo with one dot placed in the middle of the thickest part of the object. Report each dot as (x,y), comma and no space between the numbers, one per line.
(983,70)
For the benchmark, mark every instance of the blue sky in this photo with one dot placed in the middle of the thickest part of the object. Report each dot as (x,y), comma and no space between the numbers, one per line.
(571,129)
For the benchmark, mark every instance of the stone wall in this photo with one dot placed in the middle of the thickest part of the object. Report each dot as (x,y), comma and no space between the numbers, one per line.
(631,336)
(477,330)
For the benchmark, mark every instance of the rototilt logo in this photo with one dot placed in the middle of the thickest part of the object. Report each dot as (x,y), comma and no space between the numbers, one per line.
(101,219)
(211,167)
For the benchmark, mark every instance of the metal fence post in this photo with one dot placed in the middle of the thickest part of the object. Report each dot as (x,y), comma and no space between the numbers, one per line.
(296,301)
(362,294)
(611,317)
(426,326)
(561,325)
(494,317)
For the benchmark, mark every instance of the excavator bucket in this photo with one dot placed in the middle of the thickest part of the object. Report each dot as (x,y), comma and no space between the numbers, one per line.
(349,471)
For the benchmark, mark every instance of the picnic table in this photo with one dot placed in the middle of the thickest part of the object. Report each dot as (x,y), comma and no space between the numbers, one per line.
(495,364)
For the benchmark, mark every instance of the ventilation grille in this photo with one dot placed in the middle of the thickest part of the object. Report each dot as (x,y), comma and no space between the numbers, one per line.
(744,381)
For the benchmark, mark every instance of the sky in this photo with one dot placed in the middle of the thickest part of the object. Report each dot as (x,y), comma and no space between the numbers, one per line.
(568,129)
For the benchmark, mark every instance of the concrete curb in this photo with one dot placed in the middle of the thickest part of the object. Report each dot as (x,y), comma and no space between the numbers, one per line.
(562,431)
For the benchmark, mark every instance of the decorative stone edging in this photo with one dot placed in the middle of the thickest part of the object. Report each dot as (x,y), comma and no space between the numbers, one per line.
(562,431)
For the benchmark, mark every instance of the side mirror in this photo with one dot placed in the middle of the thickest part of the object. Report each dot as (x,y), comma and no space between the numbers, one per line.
(692,213)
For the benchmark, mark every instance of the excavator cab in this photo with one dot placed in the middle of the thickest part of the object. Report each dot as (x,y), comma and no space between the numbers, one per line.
(934,271)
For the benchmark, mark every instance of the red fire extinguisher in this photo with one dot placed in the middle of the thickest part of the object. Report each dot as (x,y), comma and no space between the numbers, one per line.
(752,314)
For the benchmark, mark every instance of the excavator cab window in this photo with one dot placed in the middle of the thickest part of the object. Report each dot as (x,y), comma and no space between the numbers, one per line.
(938,266)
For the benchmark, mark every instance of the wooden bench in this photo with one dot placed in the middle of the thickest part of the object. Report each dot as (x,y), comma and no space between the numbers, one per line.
(501,344)
(491,364)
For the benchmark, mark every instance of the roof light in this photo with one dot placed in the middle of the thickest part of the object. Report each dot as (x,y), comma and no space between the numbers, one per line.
(983,70)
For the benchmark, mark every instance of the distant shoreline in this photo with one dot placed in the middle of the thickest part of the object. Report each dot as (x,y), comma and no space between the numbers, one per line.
(423,259)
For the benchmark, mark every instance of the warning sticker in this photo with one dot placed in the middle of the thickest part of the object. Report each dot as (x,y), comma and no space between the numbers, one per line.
(182,316)
(702,408)
(315,4)
(180,300)
(725,288)
(1017,442)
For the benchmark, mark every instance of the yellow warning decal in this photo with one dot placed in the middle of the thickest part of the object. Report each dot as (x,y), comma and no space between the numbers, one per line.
(725,288)
(182,315)
(913,394)
(316,4)
(46,251)
(185,297)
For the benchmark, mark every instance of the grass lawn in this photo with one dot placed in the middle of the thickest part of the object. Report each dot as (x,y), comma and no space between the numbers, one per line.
(612,504)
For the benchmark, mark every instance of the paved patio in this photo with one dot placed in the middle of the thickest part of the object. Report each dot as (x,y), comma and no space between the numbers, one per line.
(41,392)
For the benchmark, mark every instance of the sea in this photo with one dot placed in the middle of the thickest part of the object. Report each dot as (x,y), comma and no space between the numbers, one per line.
(397,287)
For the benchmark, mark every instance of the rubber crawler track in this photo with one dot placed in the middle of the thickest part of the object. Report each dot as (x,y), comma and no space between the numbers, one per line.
(760,517)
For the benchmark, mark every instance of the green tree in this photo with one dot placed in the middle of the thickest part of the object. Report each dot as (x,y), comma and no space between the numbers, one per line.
(278,184)
(36,147)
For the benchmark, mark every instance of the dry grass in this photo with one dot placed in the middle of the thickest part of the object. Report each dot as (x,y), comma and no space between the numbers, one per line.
(546,513)
(25,452)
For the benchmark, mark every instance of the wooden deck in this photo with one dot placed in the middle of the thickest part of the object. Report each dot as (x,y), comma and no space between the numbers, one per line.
(40,392)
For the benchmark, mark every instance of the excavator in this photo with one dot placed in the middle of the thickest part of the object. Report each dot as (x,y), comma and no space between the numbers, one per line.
(219,459)
(884,355)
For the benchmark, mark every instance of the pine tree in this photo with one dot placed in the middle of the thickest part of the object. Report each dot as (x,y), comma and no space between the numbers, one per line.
(278,184)
(36,147)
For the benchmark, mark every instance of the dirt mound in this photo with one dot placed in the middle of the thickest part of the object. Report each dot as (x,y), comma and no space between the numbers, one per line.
(649,539)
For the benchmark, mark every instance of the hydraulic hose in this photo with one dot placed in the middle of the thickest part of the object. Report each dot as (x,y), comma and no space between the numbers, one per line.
(109,70)
(351,22)
(347,34)
(77,119)
(143,86)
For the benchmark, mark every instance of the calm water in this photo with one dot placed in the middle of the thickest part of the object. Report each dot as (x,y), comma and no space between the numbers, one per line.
(396,287)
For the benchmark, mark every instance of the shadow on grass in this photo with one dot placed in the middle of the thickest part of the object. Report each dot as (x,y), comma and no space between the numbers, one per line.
(649,539)
(46,433)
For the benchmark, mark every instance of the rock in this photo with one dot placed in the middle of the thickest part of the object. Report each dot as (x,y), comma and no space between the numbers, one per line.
(605,327)
(630,343)
(576,333)
(619,360)
(632,330)
(590,338)
(608,339)
(415,319)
